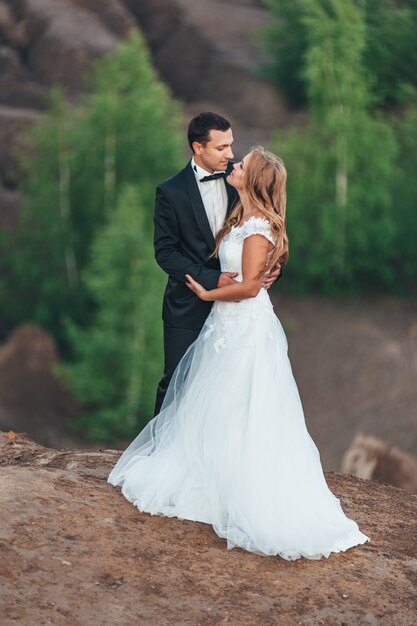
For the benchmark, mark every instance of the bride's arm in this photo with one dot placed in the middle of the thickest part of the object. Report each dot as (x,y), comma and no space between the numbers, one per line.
(254,258)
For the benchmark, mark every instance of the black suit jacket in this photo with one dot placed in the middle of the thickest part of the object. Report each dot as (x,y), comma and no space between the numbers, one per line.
(183,244)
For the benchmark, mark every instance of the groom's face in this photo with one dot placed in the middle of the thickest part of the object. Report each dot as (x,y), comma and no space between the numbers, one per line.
(216,153)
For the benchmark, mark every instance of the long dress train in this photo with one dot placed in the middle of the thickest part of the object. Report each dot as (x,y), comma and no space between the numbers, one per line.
(230,446)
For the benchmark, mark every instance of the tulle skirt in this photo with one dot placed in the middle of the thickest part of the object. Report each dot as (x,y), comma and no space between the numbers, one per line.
(230,446)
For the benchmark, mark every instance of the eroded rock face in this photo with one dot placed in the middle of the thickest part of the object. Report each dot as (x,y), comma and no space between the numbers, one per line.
(58,39)
(31,399)
(208,54)
(355,363)
(372,458)
(207,51)
(43,43)
(74,551)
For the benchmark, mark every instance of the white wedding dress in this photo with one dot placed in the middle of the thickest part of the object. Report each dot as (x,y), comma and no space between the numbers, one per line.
(230,446)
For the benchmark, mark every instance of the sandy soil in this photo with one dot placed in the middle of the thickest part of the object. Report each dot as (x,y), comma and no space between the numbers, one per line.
(74,552)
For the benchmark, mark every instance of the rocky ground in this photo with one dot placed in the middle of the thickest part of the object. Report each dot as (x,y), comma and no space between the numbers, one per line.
(74,552)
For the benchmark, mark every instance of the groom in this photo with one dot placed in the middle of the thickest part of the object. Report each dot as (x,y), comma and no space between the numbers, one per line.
(190,208)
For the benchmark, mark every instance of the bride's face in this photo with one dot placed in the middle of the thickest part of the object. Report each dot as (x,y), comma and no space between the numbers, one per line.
(237,175)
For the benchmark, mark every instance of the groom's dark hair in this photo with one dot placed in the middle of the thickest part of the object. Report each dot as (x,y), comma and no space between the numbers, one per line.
(201,125)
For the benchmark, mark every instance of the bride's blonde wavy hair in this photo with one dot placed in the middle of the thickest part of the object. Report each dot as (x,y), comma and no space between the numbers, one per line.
(265,178)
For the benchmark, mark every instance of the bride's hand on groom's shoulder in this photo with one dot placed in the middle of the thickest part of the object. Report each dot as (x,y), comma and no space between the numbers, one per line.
(196,287)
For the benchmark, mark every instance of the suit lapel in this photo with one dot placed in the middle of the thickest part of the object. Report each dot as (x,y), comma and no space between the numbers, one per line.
(198,206)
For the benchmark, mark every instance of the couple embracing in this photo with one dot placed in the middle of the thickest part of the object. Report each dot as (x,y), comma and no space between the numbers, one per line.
(228,445)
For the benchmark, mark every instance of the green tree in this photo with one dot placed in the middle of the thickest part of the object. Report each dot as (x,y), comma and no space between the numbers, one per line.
(127,131)
(39,265)
(390,53)
(404,202)
(341,167)
(284,39)
(118,355)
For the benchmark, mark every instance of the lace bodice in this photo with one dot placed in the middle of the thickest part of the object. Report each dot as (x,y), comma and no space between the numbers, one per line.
(239,316)
(230,251)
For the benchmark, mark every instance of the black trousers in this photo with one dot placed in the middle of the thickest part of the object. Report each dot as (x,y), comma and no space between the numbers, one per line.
(176,343)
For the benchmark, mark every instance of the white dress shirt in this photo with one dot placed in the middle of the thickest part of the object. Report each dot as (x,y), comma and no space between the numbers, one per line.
(214,196)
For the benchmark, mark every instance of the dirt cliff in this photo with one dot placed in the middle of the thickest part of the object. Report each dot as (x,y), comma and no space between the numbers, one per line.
(74,552)
(31,397)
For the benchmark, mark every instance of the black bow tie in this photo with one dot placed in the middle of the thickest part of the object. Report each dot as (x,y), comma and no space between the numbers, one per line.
(215,176)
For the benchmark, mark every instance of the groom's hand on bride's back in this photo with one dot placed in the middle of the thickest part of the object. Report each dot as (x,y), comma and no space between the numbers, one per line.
(270,277)
(226,278)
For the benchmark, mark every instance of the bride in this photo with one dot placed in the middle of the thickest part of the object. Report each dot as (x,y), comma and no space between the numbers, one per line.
(230,445)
